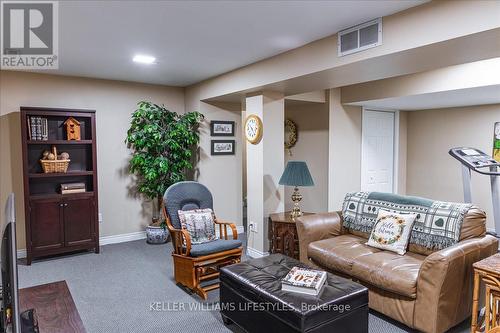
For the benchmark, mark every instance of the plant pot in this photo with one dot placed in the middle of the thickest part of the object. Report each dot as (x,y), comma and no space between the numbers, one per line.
(156,235)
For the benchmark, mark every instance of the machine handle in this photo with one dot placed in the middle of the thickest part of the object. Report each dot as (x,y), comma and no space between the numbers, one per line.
(488,173)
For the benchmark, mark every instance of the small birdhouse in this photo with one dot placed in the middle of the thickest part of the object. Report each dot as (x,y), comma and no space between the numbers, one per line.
(72,129)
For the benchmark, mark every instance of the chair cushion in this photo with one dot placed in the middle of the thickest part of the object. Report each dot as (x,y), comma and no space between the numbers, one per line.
(215,246)
(199,223)
(349,255)
(186,195)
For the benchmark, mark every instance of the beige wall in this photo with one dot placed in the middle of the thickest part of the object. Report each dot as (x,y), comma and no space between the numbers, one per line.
(431,171)
(344,141)
(114,102)
(222,174)
(311,147)
(344,166)
(470,75)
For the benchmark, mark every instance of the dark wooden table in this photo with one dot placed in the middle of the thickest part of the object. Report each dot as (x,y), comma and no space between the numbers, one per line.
(283,234)
(54,307)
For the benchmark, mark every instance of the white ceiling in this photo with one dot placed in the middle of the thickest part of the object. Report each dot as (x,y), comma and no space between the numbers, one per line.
(196,40)
(443,99)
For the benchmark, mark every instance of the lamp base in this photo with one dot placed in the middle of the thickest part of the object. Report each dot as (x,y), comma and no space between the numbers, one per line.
(296,197)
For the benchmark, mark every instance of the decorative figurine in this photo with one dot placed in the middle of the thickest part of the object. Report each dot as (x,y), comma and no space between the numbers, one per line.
(72,129)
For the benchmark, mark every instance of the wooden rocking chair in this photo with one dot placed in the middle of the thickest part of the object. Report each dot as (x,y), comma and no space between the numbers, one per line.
(195,263)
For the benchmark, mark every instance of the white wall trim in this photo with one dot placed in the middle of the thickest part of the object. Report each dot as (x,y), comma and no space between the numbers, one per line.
(122,238)
(395,186)
(254,253)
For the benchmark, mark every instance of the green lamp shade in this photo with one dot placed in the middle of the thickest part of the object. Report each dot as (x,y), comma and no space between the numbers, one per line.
(296,174)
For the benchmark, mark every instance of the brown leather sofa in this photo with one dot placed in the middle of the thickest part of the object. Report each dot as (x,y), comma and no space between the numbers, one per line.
(425,290)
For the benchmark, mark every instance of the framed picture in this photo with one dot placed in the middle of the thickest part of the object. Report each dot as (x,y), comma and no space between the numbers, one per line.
(221,128)
(222,147)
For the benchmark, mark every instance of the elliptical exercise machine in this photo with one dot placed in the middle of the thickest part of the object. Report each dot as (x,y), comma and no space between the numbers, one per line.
(475,160)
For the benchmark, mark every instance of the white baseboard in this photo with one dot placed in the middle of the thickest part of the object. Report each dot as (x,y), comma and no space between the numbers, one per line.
(254,253)
(122,238)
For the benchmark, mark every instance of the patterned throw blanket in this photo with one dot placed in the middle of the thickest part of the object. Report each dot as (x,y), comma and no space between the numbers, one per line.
(437,226)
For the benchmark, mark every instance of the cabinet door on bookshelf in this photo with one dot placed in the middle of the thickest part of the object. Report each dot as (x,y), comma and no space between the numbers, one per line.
(46,224)
(79,220)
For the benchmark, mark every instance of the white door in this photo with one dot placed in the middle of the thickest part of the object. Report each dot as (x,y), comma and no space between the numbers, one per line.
(377,160)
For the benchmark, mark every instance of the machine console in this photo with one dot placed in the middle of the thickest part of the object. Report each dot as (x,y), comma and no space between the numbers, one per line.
(474,159)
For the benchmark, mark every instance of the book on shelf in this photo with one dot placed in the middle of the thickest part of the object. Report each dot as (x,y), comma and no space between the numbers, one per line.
(72,186)
(32,128)
(38,128)
(76,190)
(45,129)
(304,281)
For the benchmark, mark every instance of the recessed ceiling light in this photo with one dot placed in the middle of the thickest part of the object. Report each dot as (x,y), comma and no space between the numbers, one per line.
(144,59)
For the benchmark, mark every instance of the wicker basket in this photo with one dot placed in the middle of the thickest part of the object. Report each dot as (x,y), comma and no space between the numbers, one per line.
(52,166)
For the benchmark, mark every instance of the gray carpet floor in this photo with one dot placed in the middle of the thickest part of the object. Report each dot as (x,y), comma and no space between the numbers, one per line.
(118,291)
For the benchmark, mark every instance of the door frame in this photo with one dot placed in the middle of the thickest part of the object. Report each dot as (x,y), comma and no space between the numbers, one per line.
(395,152)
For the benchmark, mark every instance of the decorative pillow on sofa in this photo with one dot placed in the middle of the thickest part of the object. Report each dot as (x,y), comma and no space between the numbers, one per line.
(199,223)
(391,232)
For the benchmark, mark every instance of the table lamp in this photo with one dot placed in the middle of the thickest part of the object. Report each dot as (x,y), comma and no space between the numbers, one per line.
(296,174)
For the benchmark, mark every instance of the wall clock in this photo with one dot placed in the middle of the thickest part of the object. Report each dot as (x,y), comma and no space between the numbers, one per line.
(253,129)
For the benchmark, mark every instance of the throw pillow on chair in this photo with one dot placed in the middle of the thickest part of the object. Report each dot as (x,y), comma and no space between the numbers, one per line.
(199,223)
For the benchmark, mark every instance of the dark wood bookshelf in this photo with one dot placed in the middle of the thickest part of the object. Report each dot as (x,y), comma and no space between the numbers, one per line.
(59,223)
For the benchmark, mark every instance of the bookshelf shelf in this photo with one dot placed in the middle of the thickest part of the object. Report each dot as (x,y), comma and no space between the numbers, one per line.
(59,142)
(57,174)
(59,223)
(61,196)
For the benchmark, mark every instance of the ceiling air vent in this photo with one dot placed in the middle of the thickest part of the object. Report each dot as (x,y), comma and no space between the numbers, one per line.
(360,37)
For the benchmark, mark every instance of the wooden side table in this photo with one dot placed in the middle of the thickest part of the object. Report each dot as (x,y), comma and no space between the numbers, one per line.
(283,234)
(487,270)
(54,306)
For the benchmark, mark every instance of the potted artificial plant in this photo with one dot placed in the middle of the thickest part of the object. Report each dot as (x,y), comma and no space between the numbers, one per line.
(162,144)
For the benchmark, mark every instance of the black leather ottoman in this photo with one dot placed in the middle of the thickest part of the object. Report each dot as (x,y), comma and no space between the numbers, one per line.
(251,297)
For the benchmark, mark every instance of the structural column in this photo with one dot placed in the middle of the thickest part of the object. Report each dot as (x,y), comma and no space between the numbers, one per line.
(344,151)
(265,164)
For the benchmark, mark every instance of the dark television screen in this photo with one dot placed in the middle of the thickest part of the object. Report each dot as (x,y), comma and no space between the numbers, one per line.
(10,297)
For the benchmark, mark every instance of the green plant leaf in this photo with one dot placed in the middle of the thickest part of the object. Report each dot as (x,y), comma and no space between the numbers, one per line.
(162,144)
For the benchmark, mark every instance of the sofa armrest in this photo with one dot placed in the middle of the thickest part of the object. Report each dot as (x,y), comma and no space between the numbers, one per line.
(315,227)
(444,285)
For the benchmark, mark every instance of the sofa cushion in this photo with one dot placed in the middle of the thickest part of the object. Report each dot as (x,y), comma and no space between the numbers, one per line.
(474,225)
(349,255)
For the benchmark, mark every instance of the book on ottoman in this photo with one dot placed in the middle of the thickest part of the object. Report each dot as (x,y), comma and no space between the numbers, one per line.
(303,280)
